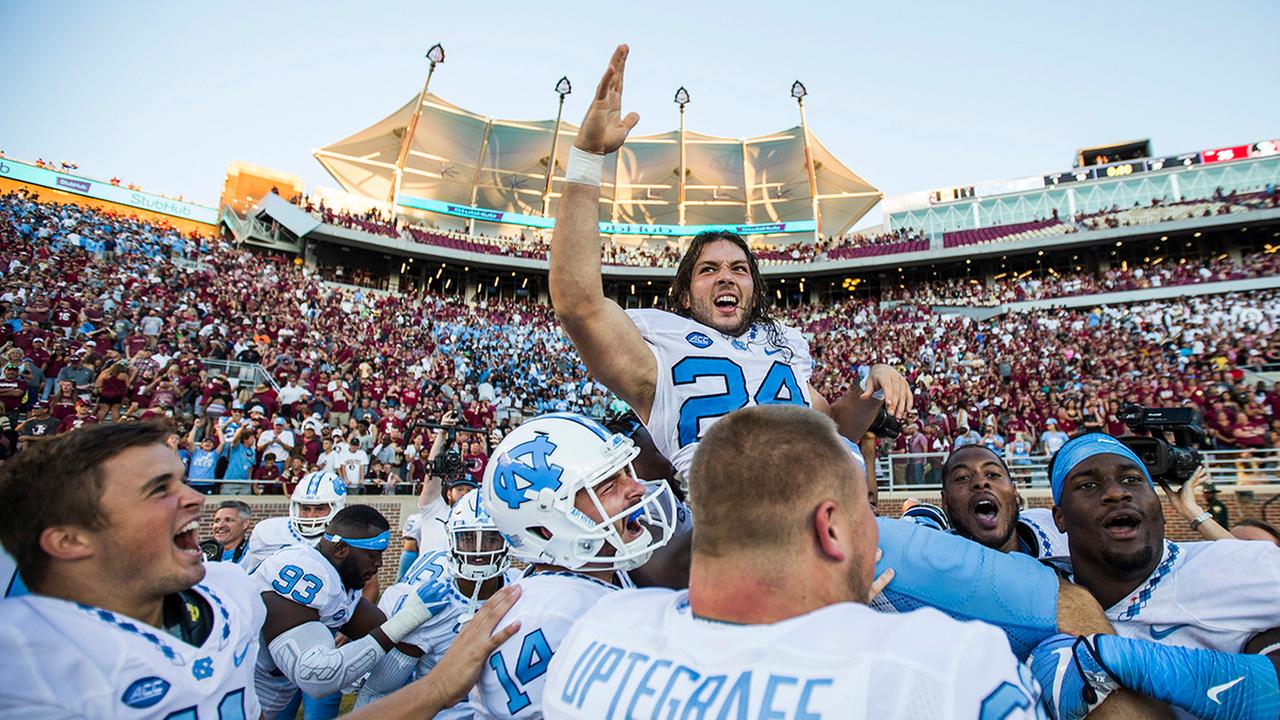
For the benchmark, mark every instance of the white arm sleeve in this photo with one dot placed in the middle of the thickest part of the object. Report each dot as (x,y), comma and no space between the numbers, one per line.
(306,655)
(389,674)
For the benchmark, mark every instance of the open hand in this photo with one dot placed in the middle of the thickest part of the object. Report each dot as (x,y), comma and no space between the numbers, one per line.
(604,129)
(1184,498)
(897,393)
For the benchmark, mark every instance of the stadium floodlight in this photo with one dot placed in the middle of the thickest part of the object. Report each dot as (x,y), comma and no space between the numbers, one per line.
(563,87)
(798,92)
(682,99)
(436,56)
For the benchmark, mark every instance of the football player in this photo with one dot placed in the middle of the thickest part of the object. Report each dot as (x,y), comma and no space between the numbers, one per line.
(319,496)
(1197,624)
(125,618)
(11,584)
(718,350)
(563,492)
(314,503)
(474,566)
(312,592)
(775,622)
(981,499)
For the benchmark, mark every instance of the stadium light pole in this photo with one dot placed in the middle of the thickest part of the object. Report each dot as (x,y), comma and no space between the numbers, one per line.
(436,56)
(798,92)
(682,99)
(563,87)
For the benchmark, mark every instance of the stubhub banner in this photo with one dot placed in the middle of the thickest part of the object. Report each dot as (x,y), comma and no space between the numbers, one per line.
(513,218)
(22,172)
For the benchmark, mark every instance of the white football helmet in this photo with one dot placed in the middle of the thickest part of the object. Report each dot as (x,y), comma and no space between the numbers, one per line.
(317,488)
(533,481)
(477,550)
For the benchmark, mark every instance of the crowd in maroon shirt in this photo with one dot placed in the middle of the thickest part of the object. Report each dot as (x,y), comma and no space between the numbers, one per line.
(384,368)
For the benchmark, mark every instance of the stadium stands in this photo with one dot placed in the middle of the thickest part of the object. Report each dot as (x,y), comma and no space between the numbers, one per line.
(382,367)
(1006,233)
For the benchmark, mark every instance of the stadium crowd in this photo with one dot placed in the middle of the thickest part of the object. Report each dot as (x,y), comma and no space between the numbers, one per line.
(100,325)
(1020,287)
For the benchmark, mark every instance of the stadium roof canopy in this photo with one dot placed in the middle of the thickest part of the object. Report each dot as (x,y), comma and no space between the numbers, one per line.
(462,157)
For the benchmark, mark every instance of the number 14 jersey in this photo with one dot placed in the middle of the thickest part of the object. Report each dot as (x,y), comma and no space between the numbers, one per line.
(704,375)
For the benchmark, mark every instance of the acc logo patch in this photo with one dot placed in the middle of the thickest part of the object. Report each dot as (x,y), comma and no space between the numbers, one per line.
(337,617)
(145,692)
(698,339)
(513,479)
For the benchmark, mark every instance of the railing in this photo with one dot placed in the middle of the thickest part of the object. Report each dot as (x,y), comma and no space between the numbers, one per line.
(1226,467)
(247,374)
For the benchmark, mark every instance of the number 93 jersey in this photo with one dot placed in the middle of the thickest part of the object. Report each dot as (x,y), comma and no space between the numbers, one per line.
(704,374)
(63,659)
(303,575)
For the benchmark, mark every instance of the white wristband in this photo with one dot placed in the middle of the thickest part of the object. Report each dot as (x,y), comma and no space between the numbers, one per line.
(584,167)
(407,619)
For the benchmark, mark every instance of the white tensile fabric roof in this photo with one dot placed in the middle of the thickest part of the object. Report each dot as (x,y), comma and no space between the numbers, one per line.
(459,156)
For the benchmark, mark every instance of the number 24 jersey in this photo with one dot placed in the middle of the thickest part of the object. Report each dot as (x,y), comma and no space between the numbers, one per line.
(704,375)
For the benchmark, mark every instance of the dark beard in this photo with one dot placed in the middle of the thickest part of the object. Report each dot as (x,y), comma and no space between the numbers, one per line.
(1130,562)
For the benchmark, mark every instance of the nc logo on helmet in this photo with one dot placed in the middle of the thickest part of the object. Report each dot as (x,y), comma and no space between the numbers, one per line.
(513,479)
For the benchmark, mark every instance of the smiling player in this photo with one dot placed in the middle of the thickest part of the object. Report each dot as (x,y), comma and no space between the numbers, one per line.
(125,619)
(718,350)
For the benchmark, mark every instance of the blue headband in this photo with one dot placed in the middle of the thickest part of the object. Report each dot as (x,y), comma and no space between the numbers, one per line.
(377,542)
(1079,449)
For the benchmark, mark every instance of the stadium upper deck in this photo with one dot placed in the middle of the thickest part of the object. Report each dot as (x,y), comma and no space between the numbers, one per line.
(1208,175)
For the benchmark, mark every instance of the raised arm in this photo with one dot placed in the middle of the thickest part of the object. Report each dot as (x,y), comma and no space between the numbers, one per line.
(604,336)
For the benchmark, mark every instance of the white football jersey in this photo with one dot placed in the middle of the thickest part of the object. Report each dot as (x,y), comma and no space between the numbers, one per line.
(413,527)
(510,686)
(63,659)
(303,575)
(11,584)
(642,653)
(434,636)
(1177,605)
(271,536)
(704,375)
(1038,532)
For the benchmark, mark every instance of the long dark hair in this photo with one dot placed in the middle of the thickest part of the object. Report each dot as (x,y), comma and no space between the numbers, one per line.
(679,301)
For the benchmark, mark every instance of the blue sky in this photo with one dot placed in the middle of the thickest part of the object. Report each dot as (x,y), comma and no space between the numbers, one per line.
(912,95)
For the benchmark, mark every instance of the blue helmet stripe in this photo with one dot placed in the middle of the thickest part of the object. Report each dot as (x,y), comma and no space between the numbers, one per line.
(589,424)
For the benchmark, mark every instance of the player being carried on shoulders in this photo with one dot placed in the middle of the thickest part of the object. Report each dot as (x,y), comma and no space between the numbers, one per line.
(562,490)
(717,350)
(473,568)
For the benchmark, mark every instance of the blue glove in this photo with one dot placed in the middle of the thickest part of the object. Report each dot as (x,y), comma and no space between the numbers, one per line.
(1209,684)
(1071,678)
(425,602)
(434,595)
